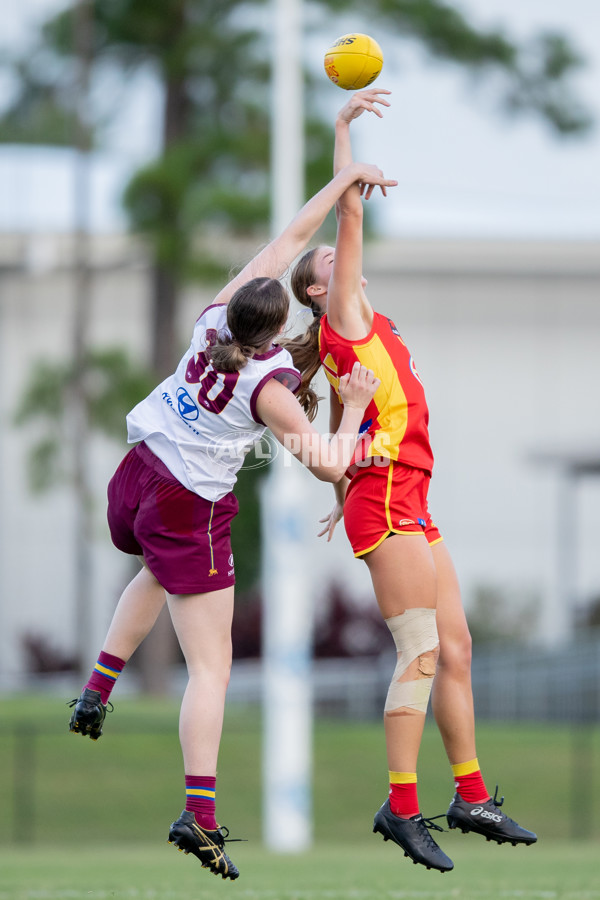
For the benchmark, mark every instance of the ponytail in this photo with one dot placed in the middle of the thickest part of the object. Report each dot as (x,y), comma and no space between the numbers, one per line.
(304,350)
(305,347)
(228,355)
(256,313)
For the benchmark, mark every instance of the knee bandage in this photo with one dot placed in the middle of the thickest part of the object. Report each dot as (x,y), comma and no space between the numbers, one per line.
(416,638)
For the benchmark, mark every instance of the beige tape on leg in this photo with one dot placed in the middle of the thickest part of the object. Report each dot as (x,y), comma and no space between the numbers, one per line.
(416,637)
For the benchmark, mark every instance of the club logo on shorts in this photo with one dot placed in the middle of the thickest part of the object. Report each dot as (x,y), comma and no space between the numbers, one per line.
(406,522)
(186,406)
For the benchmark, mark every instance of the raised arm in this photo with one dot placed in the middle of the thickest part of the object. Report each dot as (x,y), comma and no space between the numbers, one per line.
(348,309)
(326,459)
(277,256)
(356,105)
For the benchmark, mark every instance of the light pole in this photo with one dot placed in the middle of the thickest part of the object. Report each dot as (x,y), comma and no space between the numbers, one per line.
(287,606)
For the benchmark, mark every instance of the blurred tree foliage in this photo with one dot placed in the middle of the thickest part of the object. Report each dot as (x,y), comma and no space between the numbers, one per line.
(499,616)
(112,384)
(211,58)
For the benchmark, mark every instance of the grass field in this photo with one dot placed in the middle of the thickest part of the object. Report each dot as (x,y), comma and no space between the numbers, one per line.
(366,871)
(85,820)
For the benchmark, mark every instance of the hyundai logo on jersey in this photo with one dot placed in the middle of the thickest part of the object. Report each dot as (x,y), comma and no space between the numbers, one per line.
(187,408)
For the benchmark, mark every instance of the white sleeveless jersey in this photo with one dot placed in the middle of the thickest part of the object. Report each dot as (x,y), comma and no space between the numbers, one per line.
(200,422)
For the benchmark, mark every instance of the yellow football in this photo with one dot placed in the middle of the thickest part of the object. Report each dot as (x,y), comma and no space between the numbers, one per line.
(353,61)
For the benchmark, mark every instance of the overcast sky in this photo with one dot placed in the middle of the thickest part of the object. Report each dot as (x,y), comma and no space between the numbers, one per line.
(464,169)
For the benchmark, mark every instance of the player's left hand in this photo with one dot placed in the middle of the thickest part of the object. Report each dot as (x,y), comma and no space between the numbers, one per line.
(332,519)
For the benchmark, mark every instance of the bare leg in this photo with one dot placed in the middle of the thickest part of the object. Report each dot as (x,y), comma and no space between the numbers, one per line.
(135,615)
(452,703)
(452,697)
(202,623)
(404,577)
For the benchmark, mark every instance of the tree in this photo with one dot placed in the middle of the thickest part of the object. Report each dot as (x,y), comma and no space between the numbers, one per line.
(213,169)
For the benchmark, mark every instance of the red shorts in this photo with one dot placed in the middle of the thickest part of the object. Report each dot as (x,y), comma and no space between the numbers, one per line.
(384,500)
(184,539)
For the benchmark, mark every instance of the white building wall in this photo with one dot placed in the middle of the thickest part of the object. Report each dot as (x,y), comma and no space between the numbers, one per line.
(506,339)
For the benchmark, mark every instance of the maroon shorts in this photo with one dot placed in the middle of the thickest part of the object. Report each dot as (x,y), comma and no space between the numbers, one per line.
(184,539)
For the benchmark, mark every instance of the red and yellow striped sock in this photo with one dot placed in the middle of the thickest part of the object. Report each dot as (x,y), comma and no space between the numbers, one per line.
(469,782)
(403,794)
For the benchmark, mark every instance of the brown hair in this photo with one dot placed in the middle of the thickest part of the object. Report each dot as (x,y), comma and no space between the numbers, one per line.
(303,276)
(255,315)
(305,347)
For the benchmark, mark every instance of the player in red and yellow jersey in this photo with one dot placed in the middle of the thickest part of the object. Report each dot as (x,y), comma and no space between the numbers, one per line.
(396,424)
(394,431)
(384,504)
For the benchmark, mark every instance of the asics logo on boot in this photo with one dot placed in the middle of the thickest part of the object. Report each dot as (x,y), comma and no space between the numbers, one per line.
(485,814)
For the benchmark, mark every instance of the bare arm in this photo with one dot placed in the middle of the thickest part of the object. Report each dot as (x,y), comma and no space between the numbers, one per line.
(358,103)
(277,256)
(327,460)
(340,487)
(348,308)
(335,417)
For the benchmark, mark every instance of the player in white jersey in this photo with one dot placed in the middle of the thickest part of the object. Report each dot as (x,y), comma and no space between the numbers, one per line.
(171,503)
(173,419)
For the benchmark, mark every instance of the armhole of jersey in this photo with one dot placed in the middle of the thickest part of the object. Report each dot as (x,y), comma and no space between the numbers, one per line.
(289,378)
(335,338)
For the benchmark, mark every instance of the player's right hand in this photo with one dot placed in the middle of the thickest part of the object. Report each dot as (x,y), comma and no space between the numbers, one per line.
(361,101)
(358,386)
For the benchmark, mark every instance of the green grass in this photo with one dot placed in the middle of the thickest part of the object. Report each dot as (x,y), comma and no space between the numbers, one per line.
(366,871)
(133,773)
(89,820)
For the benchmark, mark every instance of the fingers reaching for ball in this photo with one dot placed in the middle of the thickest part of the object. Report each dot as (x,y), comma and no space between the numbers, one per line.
(364,101)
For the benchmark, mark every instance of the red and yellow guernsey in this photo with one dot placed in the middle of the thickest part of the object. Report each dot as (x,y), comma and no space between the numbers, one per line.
(395,425)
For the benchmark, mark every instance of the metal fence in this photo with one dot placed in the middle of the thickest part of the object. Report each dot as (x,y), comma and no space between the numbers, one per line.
(558,685)
(514,683)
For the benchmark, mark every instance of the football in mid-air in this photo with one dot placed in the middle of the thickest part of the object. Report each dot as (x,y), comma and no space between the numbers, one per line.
(353,61)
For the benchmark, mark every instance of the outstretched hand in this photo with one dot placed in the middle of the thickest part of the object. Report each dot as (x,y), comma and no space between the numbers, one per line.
(331,521)
(369,177)
(361,101)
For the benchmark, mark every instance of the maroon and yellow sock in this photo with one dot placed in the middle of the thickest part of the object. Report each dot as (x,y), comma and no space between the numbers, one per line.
(403,794)
(200,794)
(105,674)
(469,782)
